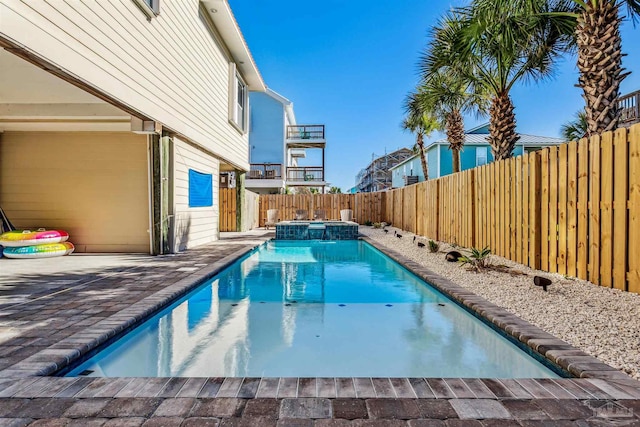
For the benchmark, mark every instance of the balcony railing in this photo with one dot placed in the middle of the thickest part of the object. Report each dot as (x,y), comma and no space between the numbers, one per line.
(313,132)
(265,171)
(306,174)
(629,106)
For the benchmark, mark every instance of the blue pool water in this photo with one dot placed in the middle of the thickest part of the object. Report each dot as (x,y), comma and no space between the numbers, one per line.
(314,309)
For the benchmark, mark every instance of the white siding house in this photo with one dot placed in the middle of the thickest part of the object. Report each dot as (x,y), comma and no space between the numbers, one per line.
(161,87)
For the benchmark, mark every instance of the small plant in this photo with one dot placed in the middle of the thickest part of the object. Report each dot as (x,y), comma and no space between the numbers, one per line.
(434,246)
(377,225)
(368,223)
(477,259)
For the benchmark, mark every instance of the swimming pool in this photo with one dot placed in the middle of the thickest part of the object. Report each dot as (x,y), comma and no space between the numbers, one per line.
(314,309)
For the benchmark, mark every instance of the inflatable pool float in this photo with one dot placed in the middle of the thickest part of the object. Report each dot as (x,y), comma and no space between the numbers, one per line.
(47,250)
(19,238)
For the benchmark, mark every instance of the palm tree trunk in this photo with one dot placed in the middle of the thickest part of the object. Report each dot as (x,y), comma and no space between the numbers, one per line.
(502,128)
(455,136)
(600,63)
(423,159)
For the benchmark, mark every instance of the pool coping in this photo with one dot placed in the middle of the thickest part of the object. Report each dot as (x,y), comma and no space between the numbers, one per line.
(596,380)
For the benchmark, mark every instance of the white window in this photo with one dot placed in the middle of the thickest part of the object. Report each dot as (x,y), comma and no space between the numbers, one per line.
(150,7)
(481,156)
(239,101)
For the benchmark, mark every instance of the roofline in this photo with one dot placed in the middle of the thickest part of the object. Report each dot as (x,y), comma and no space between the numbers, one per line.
(222,17)
(407,160)
(542,144)
(288,105)
(275,95)
(554,140)
(387,154)
(477,127)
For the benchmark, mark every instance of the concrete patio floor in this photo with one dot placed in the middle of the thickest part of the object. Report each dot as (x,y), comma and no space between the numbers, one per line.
(52,311)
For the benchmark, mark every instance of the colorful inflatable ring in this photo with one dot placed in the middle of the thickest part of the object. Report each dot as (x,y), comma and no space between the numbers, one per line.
(19,238)
(47,250)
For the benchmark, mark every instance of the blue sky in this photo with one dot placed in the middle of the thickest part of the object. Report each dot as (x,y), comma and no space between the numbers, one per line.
(349,64)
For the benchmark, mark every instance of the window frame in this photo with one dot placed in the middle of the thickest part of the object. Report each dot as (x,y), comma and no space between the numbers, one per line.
(239,120)
(485,156)
(151,8)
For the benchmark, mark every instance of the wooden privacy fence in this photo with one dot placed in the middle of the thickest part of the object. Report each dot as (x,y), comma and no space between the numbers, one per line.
(573,209)
(365,206)
(228,210)
(228,220)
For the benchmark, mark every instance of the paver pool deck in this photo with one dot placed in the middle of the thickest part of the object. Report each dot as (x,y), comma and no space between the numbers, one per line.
(52,311)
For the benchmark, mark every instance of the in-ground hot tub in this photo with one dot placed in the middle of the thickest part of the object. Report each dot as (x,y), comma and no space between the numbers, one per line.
(316,230)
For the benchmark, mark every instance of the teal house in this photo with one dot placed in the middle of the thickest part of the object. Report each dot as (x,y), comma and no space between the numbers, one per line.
(476,152)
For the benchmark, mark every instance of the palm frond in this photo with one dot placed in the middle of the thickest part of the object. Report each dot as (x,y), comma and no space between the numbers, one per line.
(577,128)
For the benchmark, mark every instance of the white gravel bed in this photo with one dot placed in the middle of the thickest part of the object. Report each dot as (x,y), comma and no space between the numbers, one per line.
(600,321)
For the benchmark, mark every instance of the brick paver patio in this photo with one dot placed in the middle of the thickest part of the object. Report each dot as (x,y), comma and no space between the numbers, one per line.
(49,318)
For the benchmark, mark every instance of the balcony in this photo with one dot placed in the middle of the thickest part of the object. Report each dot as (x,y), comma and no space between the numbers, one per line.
(629,106)
(307,176)
(305,136)
(265,171)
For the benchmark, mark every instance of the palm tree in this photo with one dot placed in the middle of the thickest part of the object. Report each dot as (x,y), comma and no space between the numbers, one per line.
(499,43)
(600,59)
(577,128)
(422,123)
(449,95)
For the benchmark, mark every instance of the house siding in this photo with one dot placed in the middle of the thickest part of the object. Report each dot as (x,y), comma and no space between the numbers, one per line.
(267,129)
(467,158)
(446,160)
(94,185)
(432,161)
(397,180)
(169,68)
(193,226)
(412,167)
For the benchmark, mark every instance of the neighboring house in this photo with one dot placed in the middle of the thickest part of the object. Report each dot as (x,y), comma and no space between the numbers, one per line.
(377,175)
(117,118)
(407,172)
(477,151)
(278,144)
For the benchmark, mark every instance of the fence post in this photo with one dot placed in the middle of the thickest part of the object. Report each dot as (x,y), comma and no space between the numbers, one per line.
(437,206)
(241,208)
(472,208)
(633,252)
(535,211)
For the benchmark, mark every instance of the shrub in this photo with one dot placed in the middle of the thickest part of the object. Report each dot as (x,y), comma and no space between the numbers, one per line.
(377,225)
(368,223)
(477,259)
(434,246)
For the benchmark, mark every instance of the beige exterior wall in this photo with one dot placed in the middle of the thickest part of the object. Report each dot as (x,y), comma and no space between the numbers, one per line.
(169,68)
(193,226)
(92,185)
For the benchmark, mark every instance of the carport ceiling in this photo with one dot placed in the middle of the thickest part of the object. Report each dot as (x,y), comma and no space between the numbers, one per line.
(32,99)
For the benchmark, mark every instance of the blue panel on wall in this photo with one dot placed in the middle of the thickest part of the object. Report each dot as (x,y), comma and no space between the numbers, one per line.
(200,189)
